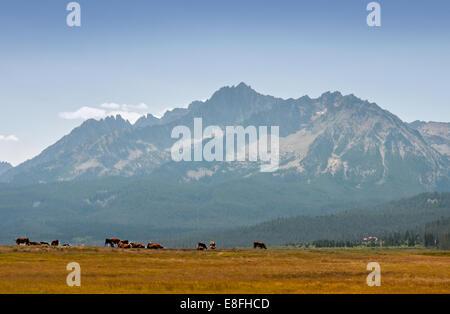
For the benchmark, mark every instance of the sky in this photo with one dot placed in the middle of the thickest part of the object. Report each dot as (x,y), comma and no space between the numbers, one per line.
(134,57)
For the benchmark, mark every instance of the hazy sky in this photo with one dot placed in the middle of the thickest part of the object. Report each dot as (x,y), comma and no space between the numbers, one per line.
(146,56)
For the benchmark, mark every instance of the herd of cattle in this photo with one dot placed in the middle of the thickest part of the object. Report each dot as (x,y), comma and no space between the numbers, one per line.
(26,241)
(125,244)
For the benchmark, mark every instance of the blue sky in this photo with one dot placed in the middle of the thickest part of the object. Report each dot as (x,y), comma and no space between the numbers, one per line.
(147,56)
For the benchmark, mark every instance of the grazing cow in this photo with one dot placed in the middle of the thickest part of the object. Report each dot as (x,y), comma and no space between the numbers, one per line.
(137,245)
(34,243)
(201,246)
(25,241)
(66,244)
(154,246)
(112,242)
(260,245)
(124,245)
(55,242)
(44,243)
(212,245)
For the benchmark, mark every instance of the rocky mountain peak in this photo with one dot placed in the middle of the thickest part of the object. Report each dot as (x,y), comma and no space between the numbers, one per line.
(147,120)
(241,92)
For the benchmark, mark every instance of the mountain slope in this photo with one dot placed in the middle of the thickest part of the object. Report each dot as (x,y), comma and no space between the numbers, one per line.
(60,156)
(4,166)
(436,134)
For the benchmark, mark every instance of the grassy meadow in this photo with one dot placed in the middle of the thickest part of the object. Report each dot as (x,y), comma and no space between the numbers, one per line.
(113,270)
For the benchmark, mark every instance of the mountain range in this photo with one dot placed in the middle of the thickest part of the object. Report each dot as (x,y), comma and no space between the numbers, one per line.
(113,177)
(341,138)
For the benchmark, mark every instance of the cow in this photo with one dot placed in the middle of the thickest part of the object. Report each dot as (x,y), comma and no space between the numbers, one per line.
(212,245)
(44,243)
(66,245)
(25,241)
(55,242)
(154,246)
(124,245)
(34,243)
(260,245)
(201,246)
(112,241)
(137,245)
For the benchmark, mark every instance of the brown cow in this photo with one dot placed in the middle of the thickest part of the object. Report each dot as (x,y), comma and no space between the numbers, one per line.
(260,245)
(137,245)
(201,246)
(55,242)
(212,245)
(112,242)
(154,246)
(34,243)
(124,245)
(25,241)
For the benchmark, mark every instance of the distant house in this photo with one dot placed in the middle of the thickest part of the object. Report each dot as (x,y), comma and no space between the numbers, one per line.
(370,240)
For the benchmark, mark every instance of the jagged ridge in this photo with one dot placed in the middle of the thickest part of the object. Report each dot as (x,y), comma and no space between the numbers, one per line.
(341,139)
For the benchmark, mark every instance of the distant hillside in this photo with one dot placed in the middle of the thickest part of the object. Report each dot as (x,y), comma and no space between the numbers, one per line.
(144,208)
(402,215)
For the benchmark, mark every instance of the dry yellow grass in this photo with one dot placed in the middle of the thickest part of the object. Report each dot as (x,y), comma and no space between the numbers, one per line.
(108,270)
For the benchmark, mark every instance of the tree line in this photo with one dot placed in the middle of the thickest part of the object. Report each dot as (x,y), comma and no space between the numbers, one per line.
(434,235)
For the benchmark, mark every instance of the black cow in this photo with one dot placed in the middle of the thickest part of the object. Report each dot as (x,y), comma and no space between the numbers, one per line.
(112,241)
(201,246)
(25,241)
(258,244)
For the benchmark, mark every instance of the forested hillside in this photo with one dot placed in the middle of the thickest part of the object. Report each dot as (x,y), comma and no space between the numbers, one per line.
(354,224)
(438,233)
(146,208)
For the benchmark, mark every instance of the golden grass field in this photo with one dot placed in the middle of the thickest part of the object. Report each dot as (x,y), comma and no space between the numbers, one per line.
(112,270)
